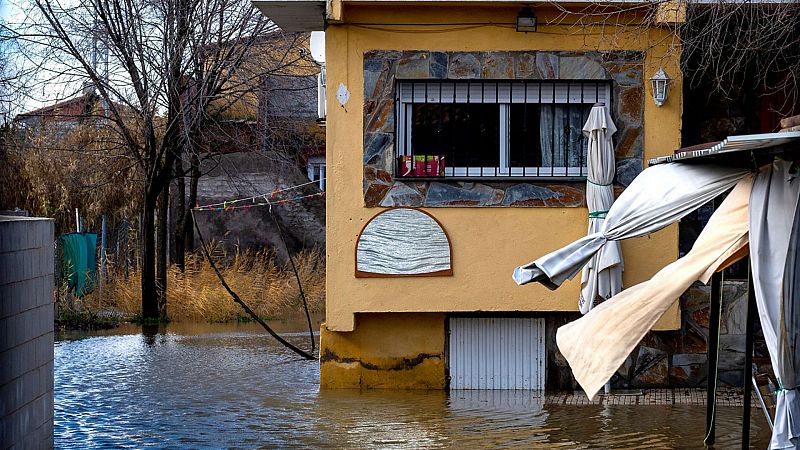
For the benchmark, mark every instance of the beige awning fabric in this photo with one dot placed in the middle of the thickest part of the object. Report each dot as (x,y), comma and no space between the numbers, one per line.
(597,344)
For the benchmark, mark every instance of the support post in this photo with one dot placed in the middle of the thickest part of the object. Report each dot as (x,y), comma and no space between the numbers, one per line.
(102,256)
(748,359)
(713,356)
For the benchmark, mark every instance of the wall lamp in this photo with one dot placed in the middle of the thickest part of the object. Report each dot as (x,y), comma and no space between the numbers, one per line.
(526,20)
(660,82)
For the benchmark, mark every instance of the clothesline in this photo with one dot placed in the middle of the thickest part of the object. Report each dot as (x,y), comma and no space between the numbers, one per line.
(228,203)
(226,207)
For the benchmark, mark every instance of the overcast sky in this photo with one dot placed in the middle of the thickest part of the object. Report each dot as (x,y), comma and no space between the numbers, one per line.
(44,94)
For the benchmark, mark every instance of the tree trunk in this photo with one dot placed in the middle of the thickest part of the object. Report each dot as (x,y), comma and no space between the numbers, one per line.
(188,228)
(162,236)
(148,263)
(181,213)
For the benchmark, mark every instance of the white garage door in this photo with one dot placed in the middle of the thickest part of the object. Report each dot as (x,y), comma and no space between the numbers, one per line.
(496,353)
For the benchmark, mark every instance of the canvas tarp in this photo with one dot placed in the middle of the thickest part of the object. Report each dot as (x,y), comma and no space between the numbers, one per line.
(659,196)
(775,259)
(597,344)
(79,261)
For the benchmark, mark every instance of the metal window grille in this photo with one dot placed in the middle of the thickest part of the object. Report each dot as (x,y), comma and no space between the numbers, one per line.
(442,128)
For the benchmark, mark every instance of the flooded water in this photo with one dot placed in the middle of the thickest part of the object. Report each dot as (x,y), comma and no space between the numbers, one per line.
(232,386)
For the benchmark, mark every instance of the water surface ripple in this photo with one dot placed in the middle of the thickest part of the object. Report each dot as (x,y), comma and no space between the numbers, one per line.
(231,386)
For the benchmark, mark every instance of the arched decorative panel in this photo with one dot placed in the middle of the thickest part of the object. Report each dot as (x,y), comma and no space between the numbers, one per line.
(403,242)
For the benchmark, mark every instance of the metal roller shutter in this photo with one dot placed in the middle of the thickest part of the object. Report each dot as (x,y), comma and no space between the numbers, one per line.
(496,353)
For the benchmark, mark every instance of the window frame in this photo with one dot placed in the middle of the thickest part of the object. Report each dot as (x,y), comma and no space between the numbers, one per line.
(537,92)
(317,162)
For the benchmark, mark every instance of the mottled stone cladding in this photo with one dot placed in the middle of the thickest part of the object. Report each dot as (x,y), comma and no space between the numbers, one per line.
(676,358)
(383,68)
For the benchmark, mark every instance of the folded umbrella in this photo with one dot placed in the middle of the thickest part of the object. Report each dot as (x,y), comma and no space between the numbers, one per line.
(600,284)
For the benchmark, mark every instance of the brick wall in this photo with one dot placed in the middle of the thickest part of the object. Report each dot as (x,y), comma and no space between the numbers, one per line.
(26,332)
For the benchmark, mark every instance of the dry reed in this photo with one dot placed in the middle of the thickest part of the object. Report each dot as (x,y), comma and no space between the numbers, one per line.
(197,295)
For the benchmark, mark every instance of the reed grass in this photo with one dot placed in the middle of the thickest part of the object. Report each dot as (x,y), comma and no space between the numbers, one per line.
(196,294)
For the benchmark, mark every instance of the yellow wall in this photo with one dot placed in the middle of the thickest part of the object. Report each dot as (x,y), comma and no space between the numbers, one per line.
(399,351)
(487,242)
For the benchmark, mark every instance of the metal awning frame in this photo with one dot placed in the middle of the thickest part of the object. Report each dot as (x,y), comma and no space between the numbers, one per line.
(734,144)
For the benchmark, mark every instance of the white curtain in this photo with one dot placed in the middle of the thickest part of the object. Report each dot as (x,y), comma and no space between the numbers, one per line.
(597,282)
(560,138)
(659,196)
(597,344)
(775,257)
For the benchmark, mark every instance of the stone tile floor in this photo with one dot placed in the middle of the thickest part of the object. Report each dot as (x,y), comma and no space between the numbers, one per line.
(726,396)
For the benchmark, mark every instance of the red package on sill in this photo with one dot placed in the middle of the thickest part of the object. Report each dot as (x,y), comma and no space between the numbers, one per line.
(422,166)
(406,166)
(428,165)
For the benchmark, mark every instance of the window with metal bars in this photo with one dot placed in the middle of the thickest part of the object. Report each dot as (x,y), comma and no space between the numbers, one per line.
(485,129)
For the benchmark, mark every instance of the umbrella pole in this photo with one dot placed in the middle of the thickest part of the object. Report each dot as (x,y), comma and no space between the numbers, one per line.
(748,358)
(713,357)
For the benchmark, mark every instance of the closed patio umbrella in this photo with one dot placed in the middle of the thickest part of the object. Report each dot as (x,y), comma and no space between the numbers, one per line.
(775,260)
(602,276)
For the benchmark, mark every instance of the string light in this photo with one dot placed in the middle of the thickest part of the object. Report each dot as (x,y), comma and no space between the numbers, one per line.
(225,204)
(226,208)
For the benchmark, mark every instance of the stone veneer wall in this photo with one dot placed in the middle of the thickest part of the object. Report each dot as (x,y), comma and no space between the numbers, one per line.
(26,332)
(383,68)
(675,358)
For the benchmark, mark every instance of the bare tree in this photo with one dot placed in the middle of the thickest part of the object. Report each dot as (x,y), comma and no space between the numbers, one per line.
(157,65)
(743,44)
(728,45)
(266,56)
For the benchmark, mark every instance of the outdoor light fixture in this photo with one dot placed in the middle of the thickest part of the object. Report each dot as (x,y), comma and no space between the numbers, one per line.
(660,83)
(526,20)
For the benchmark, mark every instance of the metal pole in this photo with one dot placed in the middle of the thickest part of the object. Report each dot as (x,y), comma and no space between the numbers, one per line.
(713,356)
(102,255)
(77,221)
(748,359)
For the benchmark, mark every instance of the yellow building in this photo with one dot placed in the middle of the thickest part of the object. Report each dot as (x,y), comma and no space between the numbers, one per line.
(455,154)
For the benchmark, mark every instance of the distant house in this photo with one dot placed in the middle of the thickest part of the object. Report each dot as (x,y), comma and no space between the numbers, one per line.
(66,114)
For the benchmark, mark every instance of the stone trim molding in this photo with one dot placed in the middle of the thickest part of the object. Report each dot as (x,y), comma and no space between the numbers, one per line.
(382,68)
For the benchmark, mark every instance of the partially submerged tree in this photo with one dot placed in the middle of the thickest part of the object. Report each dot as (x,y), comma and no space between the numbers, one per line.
(164,61)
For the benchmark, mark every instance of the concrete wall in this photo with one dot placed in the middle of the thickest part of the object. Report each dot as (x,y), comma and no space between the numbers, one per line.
(26,332)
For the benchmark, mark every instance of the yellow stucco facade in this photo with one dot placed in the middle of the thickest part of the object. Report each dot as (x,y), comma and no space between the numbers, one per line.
(389,332)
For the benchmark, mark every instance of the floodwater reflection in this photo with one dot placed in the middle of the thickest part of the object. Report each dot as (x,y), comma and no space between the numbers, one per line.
(232,386)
